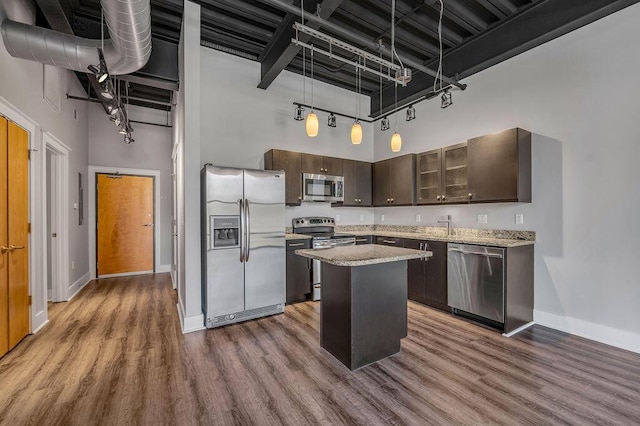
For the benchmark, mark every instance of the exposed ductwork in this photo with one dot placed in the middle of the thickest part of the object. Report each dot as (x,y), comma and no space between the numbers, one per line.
(127,50)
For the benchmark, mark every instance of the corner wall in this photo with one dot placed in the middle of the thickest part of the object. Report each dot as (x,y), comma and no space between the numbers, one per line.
(583,111)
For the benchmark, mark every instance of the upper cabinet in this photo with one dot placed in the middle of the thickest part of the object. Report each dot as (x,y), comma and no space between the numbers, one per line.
(500,167)
(357,183)
(290,162)
(319,164)
(394,181)
(491,168)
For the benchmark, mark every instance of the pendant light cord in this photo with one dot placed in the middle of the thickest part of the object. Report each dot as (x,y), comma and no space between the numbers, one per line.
(312,78)
(439,71)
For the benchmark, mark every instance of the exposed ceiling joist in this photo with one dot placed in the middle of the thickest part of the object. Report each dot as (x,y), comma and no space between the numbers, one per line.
(58,14)
(280,51)
(537,24)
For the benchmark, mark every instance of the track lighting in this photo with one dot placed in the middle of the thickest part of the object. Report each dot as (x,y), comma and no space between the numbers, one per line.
(411,113)
(403,75)
(128,139)
(331,121)
(100,71)
(384,124)
(298,113)
(445,99)
(113,110)
(356,133)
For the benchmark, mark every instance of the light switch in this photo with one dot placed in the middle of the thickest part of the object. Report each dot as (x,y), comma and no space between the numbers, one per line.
(482,218)
(337,218)
(519,218)
(381,218)
(418,218)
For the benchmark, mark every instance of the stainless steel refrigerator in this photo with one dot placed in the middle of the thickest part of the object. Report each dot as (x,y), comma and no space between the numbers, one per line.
(243,244)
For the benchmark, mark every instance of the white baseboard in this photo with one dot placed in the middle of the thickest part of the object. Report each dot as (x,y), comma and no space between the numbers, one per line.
(125,274)
(519,329)
(589,330)
(77,286)
(173,280)
(40,327)
(192,323)
(163,269)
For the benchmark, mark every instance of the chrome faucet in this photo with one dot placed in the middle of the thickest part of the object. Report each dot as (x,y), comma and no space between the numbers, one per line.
(448,222)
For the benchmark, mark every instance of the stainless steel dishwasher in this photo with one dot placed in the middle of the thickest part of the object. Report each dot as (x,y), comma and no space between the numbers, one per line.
(475,280)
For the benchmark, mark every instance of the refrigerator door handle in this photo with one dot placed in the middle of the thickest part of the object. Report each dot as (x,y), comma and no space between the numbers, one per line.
(242,225)
(248,227)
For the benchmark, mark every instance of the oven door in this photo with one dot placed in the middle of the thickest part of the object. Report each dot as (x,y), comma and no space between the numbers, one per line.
(316,187)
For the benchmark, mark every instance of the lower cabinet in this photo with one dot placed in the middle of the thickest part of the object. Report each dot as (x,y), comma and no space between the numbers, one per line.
(389,241)
(427,278)
(298,271)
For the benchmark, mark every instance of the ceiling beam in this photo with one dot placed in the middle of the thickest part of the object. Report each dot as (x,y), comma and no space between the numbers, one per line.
(532,26)
(58,14)
(280,51)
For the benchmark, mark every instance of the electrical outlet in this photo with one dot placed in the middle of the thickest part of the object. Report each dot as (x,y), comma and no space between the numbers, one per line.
(361,218)
(337,218)
(519,218)
(381,218)
(418,218)
(482,218)
(73,265)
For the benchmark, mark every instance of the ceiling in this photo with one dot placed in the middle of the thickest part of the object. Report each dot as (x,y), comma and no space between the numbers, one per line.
(476,34)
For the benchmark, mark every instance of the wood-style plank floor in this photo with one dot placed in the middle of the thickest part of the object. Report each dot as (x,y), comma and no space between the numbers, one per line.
(115,355)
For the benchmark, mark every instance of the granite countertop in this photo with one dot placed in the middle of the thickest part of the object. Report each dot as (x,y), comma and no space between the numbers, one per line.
(366,254)
(291,236)
(486,241)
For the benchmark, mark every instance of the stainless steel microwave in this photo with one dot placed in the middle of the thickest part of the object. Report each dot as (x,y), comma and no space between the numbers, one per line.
(317,187)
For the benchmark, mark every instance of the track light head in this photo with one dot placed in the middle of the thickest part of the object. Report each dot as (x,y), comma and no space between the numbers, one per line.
(404,75)
(446,100)
(331,121)
(384,124)
(128,139)
(298,113)
(411,113)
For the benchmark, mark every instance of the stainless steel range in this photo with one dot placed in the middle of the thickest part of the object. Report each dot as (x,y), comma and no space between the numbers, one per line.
(322,229)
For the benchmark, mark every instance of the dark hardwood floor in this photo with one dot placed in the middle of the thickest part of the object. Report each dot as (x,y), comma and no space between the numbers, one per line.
(115,355)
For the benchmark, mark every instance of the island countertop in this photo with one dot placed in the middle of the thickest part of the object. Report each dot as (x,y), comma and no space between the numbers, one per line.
(361,255)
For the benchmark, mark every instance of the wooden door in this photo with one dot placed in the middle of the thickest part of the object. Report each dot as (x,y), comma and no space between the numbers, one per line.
(364,183)
(312,163)
(14,235)
(4,242)
(381,183)
(125,224)
(402,186)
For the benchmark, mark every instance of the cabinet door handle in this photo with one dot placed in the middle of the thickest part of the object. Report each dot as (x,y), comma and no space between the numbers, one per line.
(296,245)
(443,198)
(421,244)
(392,200)
(388,241)
(470,195)
(438,198)
(361,240)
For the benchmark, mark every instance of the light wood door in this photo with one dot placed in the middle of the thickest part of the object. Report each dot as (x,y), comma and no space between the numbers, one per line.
(4,257)
(125,224)
(18,232)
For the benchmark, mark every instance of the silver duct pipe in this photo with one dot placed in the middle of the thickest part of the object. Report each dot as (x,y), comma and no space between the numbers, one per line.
(128,49)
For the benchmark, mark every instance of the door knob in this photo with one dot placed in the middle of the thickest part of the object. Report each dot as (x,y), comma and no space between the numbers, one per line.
(148,225)
(5,249)
(12,247)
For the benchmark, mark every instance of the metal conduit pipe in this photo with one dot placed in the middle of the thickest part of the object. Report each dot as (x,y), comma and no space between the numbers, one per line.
(289,8)
(128,49)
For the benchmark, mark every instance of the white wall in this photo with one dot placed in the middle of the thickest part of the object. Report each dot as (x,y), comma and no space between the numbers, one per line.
(577,95)
(151,150)
(21,86)
(240,123)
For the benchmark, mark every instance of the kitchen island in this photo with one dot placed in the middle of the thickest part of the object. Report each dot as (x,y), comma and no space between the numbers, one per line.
(363,308)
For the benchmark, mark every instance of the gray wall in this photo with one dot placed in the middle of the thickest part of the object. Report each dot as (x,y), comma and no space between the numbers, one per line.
(21,85)
(583,111)
(151,150)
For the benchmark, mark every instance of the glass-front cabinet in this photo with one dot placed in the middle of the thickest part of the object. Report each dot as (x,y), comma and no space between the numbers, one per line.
(442,175)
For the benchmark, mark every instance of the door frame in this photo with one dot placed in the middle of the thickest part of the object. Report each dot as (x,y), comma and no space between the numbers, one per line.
(37,215)
(59,214)
(93,170)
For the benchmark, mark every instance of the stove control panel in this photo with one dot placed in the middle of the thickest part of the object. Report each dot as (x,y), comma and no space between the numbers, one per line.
(302,222)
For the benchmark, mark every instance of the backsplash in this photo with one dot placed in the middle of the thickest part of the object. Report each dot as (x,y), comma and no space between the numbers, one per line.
(442,232)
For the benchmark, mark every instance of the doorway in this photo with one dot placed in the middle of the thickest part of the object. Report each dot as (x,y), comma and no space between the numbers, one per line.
(125,222)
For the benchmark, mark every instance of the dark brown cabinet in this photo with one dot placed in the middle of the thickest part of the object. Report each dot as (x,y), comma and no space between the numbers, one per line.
(394,181)
(427,278)
(320,164)
(364,239)
(298,271)
(357,183)
(429,177)
(290,163)
(500,167)
(455,179)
